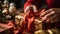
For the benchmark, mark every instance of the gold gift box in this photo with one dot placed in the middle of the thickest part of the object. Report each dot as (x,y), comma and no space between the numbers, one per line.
(18,20)
(38,24)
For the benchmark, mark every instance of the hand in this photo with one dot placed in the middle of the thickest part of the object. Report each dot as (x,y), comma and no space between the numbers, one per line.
(52,15)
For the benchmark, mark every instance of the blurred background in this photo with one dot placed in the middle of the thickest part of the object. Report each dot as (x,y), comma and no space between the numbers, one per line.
(19,3)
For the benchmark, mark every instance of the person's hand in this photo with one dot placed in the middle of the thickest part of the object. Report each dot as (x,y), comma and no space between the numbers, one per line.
(52,15)
(31,7)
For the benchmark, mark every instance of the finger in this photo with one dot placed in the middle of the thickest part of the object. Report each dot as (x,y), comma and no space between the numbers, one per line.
(48,20)
(48,15)
(46,12)
(53,19)
(42,11)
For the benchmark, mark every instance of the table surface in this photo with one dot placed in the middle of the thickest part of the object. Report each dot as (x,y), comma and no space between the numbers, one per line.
(3,27)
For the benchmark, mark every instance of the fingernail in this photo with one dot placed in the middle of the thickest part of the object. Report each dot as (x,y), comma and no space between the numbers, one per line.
(41,16)
(44,18)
